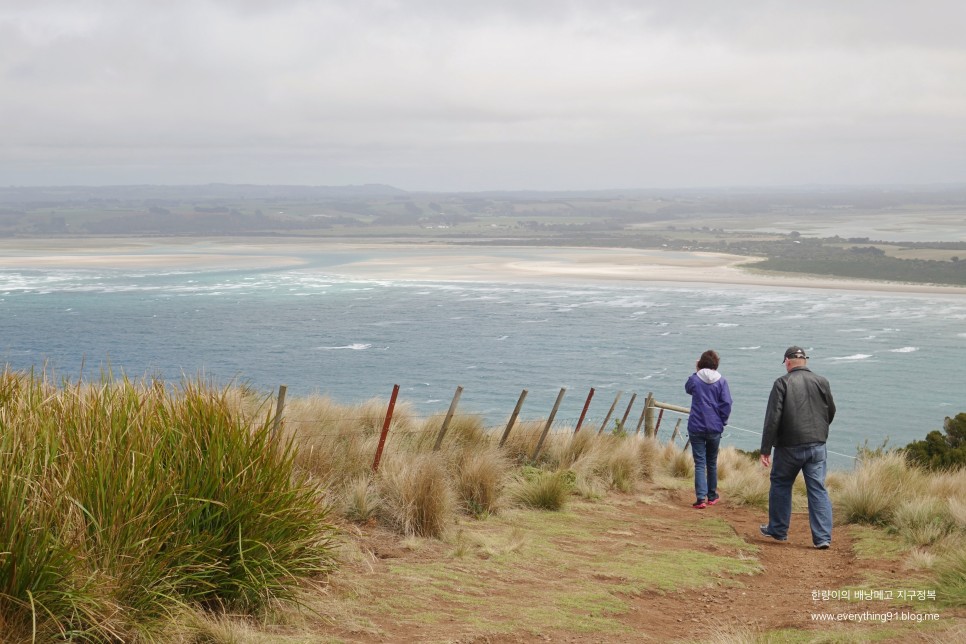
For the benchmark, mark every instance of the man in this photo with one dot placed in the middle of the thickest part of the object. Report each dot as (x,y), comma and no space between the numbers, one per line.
(800,410)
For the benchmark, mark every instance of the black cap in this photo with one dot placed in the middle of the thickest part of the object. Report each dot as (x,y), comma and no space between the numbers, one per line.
(794,353)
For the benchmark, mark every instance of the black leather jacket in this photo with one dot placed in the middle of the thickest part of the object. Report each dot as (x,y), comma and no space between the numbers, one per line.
(800,409)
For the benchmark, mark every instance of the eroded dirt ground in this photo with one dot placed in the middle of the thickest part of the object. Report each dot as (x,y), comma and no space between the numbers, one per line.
(641,567)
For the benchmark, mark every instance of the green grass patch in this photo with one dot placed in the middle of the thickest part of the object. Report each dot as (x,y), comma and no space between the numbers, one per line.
(870,542)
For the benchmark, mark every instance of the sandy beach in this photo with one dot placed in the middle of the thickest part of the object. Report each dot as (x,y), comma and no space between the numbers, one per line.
(427,261)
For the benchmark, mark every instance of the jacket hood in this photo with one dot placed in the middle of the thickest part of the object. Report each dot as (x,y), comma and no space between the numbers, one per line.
(709,376)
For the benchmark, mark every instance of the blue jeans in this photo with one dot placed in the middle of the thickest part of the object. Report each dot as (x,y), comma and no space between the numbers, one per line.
(704,448)
(786,463)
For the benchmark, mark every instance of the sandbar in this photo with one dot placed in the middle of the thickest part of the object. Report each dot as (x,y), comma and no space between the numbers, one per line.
(426,261)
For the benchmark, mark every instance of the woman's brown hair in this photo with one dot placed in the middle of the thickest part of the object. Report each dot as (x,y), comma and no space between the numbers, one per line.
(708,360)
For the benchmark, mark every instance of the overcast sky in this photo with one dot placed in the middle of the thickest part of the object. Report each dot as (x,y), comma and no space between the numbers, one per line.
(483,94)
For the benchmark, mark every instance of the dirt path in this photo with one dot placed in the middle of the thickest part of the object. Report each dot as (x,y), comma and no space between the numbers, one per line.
(783,592)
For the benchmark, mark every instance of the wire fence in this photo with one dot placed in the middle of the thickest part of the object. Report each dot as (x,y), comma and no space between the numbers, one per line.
(648,420)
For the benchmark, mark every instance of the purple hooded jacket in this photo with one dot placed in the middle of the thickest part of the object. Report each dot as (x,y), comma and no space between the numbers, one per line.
(710,402)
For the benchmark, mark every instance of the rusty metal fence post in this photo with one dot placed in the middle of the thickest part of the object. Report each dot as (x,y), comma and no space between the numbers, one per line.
(385,428)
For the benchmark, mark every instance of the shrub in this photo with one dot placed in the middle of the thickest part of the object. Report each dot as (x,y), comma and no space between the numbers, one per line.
(938,451)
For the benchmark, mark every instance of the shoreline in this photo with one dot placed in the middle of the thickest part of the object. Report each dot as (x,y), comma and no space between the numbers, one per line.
(430,261)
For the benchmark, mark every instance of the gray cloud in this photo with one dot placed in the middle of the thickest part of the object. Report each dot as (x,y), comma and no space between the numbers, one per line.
(443,95)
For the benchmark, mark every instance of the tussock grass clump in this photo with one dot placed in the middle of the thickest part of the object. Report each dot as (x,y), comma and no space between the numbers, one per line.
(120,501)
(417,495)
(522,441)
(543,490)
(680,463)
(922,520)
(360,501)
(952,578)
(481,477)
(876,488)
(957,511)
(568,451)
(947,484)
(649,454)
(622,463)
(748,486)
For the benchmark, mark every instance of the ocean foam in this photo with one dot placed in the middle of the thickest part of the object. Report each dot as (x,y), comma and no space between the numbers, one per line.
(355,346)
(857,356)
(904,350)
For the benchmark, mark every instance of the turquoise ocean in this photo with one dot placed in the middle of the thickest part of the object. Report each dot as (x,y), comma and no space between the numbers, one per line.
(895,361)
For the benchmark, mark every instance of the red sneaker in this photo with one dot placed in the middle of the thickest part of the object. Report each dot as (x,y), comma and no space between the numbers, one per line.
(700,505)
(714,501)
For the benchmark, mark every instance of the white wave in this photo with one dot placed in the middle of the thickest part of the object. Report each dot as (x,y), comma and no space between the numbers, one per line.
(503,337)
(725,324)
(857,356)
(904,350)
(355,346)
(755,348)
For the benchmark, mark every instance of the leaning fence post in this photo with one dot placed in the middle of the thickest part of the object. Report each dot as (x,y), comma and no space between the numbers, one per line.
(583,414)
(609,412)
(279,406)
(449,417)
(513,417)
(546,429)
(674,434)
(628,410)
(385,428)
(657,425)
(640,421)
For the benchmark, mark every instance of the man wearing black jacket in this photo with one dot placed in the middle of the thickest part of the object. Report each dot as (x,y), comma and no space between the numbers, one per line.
(800,410)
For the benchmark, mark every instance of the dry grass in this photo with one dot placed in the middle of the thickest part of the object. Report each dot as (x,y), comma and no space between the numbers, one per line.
(876,488)
(922,520)
(522,441)
(680,463)
(360,501)
(417,495)
(543,490)
(481,476)
(748,486)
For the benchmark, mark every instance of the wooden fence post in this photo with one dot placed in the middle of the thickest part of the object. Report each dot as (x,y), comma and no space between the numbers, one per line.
(513,416)
(279,407)
(609,412)
(657,425)
(628,410)
(583,414)
(674,434)
(640,421)
(546,430)
(385,428)
(449,417)
(649,415)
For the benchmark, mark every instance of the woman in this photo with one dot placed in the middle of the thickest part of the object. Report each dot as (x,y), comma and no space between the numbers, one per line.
(710,408)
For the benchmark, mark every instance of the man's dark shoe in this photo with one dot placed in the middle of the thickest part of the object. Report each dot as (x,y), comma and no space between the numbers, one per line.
(764,532)
(823,546)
